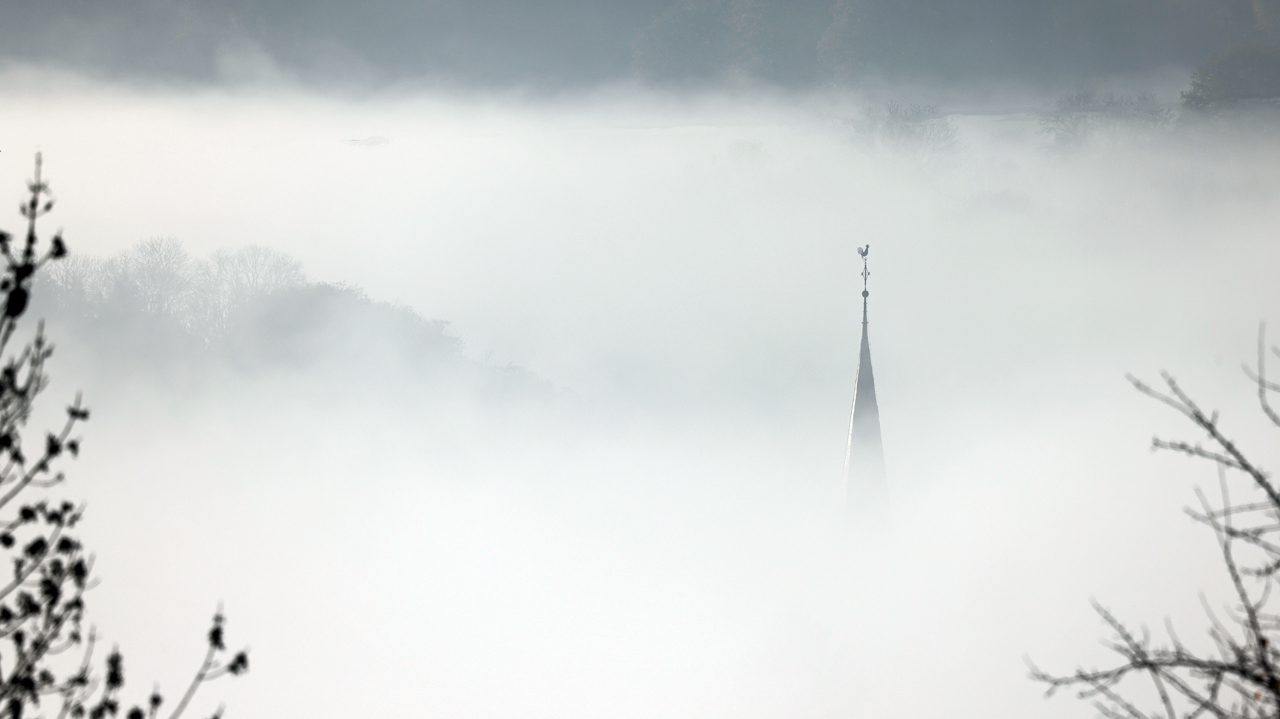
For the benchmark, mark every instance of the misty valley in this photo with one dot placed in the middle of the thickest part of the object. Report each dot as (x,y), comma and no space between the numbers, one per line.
(526,392)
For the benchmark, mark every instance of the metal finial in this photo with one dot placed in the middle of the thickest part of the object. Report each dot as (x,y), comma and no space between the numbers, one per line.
(865,273)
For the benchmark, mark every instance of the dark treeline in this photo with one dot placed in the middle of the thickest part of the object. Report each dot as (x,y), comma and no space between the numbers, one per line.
(154,311)
(558,43)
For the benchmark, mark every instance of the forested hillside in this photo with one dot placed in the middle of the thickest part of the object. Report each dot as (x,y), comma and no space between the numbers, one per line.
(155,312)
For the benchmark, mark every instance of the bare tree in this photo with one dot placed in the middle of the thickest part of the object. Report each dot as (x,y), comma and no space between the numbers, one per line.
(157,279)
(161,272)
(42,608)
(230,279)
(1240,677)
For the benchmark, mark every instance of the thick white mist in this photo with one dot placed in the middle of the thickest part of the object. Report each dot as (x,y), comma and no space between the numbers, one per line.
(666,539)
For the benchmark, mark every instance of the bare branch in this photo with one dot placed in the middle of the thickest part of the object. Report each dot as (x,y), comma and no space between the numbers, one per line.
(1260,378)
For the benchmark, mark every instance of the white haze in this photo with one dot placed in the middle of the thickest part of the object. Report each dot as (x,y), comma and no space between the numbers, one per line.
(666,538)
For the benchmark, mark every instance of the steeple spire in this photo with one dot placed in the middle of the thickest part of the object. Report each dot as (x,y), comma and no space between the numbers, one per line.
(864,455)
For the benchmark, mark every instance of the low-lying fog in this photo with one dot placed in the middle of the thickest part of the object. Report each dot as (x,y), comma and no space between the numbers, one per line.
(660,532)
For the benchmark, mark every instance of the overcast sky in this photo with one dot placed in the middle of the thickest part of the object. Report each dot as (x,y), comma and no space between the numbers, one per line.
(667,540)
(554,46)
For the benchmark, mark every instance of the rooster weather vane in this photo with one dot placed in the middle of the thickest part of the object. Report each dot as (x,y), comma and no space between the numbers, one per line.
(865,274)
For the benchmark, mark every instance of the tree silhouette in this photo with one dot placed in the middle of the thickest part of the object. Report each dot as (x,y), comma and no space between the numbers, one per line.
(1239,73)
(1240,677)
(42,608)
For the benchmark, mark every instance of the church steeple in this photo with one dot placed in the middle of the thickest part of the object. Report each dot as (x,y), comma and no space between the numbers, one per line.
(864,455)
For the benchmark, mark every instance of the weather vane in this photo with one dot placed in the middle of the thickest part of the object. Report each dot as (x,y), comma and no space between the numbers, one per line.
(865,274)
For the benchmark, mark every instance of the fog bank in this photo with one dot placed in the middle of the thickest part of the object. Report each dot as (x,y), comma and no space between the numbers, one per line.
(663,534)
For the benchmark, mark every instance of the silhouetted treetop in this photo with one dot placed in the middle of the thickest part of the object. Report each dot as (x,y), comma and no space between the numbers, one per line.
(1238,74)
(49,655)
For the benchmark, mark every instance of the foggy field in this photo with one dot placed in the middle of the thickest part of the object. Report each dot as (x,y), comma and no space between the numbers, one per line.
(661,533)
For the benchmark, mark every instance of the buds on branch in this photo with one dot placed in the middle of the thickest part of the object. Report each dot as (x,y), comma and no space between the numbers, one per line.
(42,608)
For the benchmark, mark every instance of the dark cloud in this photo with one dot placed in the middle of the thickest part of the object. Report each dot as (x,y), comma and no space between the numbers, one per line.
(494,42)
(574,43)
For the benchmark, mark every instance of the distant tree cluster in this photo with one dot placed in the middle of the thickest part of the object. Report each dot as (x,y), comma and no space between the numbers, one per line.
(1085,116)
(156,309)
(1238,74)
(159,279)
(920,133)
